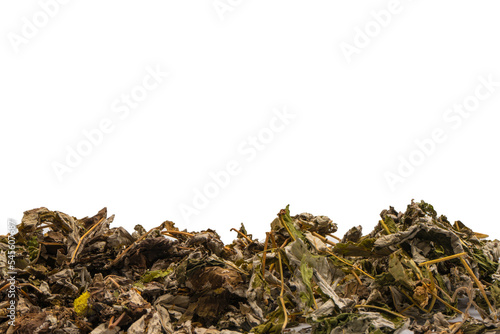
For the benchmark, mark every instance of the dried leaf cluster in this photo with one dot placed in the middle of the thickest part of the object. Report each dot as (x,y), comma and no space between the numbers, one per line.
(414,271)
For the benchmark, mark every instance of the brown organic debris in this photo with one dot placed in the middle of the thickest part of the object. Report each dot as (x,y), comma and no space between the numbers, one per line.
(414,271)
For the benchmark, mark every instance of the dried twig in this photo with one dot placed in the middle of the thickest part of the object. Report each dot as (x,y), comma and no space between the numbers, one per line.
(41,227)
(445,302)
(433,288)
(349,264)
(31,285)
(114,324)
(118,258)
(38,254)
(334,237)
(357,277)
(51,243)
(7,285)
(413,302)
(471,273)
(264,254)
(480,286)
(242,234)
(113,281)
(325,240)
(273,240)
(186,248)
(178,232)
(232,265)
(280,216)
(285,322)
(285,242)
(386,229)
(454,256)
(381,309)
(83,237)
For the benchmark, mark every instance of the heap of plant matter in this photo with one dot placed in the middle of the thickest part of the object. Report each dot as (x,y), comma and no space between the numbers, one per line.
(414,271)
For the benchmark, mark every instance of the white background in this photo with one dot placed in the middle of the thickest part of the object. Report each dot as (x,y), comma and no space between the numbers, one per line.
(229,68)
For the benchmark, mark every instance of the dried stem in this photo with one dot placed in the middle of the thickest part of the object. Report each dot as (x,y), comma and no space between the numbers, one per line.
(114,282)
(83,237)
(349,264)
(273,240)
(357,277)
(433,288)
(27,296)
(118,258)
(186,248)
(386,229)
(413,302)
(479,285)
(285,322)
(44,226)
(178,232)
(5,286)
(51,243)
(325,240)
(264,254)
(334,237)
(285,242)
(114,324)
(242,234)
(280,216)
(31,285)
(231,264)
(454,256)
(382,309)
(38,254)
(445,303)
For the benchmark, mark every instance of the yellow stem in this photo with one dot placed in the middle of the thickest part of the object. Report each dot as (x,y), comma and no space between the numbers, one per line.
(382,309)
(479,285)
(285,322)
(349,264)
(433,288)
(413,302)
(280,216)
(325,240)
(178,232)
(386,229)
(454,256)
(445,303)
(334,237)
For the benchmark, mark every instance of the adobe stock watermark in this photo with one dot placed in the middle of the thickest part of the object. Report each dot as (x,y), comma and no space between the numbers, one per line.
(363,36)
(122,107)
(453,118)
(247,151)
(11,272)
(32,25)
(223,7)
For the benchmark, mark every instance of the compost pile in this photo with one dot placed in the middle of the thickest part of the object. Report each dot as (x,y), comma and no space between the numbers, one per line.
(415,271)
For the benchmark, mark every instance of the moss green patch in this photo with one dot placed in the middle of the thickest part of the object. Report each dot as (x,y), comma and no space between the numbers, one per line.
(155,274)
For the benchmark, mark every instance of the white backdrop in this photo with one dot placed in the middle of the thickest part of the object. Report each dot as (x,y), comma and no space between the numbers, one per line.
(212,113)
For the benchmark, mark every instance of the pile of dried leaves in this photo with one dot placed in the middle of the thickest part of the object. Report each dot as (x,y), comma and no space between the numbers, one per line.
(414,271)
